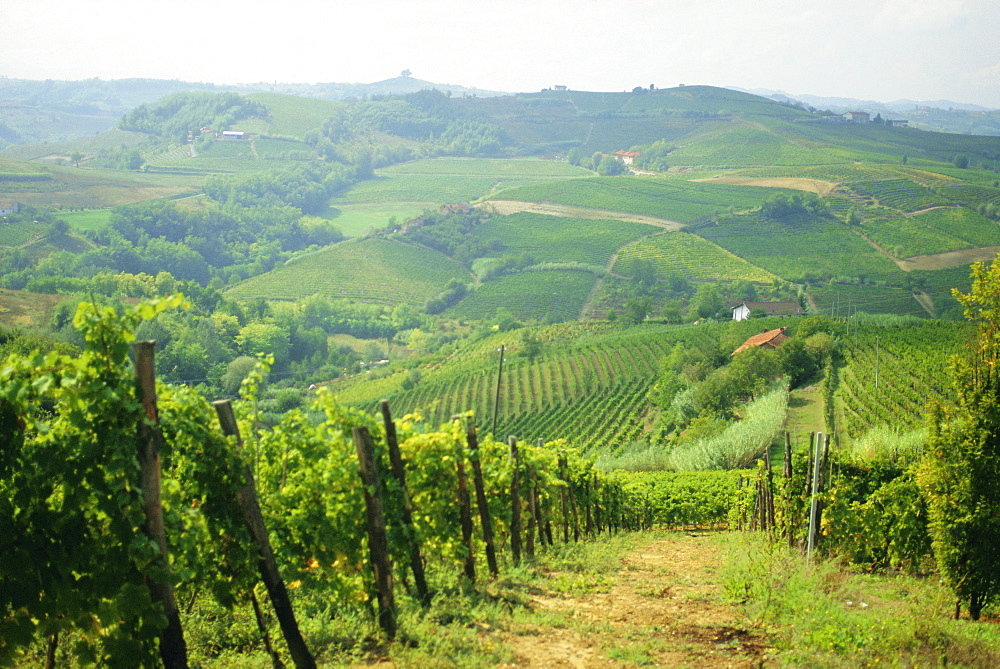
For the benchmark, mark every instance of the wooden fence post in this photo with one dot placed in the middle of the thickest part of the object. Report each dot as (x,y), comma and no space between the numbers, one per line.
(378,541)
(515,501)
(266,564)
(173,650)
(399,471)
(562,497)
(484,510)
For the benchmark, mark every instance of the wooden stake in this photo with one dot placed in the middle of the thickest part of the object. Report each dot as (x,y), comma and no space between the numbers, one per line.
(399,471)
(465,517)
(173,650)
(266,564)
(378,540)
(515,502)
(484,510)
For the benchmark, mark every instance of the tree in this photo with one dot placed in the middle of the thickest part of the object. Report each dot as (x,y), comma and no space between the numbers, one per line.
(961,161)
(960,476)
(406,73)
(609,167)
(76,157)
(636,309)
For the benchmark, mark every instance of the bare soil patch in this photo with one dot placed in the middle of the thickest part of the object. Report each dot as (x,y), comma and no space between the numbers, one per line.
(951,258)
(664,608)
(817,186)
(505,207)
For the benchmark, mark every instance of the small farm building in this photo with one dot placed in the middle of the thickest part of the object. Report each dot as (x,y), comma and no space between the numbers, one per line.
(233,134)
(742,310)
(766,339)
(455,208)
(8,207)
(627,156)
(858,117)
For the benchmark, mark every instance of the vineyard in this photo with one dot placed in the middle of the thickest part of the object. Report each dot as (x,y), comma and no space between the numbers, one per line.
(372,270)
(690,256)
(169,519)
(418,187)
(559,238)
(911,365)
(548,294)
(902,194)
(676,200)
(587,387)
(797,248)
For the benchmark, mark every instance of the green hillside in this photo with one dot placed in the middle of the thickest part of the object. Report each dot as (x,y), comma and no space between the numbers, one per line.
(376,271)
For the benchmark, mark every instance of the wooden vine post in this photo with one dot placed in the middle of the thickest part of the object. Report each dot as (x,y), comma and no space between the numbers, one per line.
(562,497)
(515,502)
(399,472)
(378,540)
(465,517)
(266,563)
(173,650)
(484,510)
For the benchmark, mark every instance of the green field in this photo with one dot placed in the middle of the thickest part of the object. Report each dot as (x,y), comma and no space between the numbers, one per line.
(16,234)
(691,257)
(374,271)
(560,238)
(499,168)
(417,188)
(670,199)
(295,116)
(552,294)
(355,220)
(88,219)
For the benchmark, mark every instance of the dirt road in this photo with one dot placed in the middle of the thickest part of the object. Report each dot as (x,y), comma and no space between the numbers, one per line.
(663,608)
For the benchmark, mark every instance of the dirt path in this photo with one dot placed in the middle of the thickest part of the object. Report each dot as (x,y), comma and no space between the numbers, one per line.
(505,207)
(822,188)
(664,608)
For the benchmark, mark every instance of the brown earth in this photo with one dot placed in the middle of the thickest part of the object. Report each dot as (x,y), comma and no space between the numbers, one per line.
(817,186)
(951,258)
(663,608)
(505,207)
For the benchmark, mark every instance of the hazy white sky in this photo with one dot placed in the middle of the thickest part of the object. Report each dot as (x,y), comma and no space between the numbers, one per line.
(877,49)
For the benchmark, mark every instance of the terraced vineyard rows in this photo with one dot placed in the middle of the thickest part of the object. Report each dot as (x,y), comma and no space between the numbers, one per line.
(902,194)
(529,295)
(808,245)
(590,384)
(692,257)
(559,238)
(911,364)
(376,271)
(676,200)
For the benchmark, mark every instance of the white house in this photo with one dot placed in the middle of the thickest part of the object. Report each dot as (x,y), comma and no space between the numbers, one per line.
(8,207)
(742,310)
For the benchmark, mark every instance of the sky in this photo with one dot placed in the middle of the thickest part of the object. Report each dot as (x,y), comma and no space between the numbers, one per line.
(882,50)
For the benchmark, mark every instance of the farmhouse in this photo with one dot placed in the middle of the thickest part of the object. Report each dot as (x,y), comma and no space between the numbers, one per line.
(8,207)
(233,134)
(627,156)
(742,310)
(559,87)
(766,339)
(857,117)
(455,208)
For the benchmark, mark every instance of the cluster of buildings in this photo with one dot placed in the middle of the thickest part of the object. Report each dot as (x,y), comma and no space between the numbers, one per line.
(865,117)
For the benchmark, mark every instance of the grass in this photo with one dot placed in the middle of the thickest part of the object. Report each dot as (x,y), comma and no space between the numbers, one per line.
(87,219)
(821,615)
(355,220)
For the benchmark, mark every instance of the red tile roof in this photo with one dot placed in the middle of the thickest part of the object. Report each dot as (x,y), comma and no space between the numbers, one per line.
(767,339)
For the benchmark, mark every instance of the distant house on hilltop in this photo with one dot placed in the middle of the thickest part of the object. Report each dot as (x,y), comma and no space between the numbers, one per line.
(742,310)
(627,156)
(767,339)
(559,87)
(857,117)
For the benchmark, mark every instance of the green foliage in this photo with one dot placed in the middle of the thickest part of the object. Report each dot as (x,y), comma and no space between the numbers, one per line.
(692,257)
(175,115)
(959,475)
